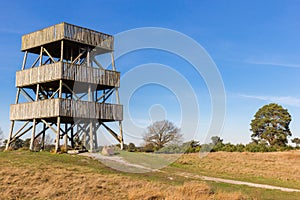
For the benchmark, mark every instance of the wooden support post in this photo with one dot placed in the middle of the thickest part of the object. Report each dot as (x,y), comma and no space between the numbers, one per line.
(62,51)
(31,147)
(41,56)
(37,92)
(72,137)
(91,137)
(24,60)
(88,60)
(49,55)
(12,123)
(57,147)
(91,122)
(71,58)
(43,137)
(84,138)
(66,137)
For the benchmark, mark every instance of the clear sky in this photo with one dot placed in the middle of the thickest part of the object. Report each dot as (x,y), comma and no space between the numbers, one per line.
(255,45)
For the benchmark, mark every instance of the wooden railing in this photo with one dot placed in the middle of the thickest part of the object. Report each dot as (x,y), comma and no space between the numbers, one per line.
(69,32)
(66,108)
(67,71)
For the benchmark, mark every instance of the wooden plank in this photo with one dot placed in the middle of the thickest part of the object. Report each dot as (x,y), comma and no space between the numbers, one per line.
(70,32)
(67,71)
(50,108)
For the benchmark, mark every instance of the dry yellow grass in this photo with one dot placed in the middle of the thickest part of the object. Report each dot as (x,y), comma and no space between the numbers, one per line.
(189,190)
(59,179)
(283,166)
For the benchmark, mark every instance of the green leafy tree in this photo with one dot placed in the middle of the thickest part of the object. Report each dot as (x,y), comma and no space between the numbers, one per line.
(296,141)
(271,124)
(162,133)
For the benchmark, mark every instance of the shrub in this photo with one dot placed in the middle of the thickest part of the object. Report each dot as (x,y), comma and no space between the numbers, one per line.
(131,147)
(148,148)
(229,147)
(240,147)
(254,147)
(173,148)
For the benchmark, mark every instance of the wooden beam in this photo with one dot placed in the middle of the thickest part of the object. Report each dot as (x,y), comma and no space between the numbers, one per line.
(62,51)
(20,129)
(60,89)
(37,92)
(48,125)
(54,93)
(34,63)
(26,95)
(66,86)
(66,137)
(41,56)
(45,50)
(97,63)
(106,97)
(112,132)
(21,134)
(24,60)
(42,131)
(78,57)
(105,93)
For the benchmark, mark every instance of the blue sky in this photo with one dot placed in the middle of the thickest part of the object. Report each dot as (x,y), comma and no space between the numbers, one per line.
(255,45)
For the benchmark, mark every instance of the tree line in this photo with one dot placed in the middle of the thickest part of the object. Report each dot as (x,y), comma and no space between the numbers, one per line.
(269,127)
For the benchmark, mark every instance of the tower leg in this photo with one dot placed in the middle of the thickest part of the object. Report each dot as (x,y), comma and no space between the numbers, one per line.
(66,137)
(43,137)
(121,136)
(31,147)
(91,137)
(10,134)
(57,148)
(12,123)
(72,137)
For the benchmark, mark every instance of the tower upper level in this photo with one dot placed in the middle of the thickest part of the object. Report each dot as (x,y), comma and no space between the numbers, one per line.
(75,37)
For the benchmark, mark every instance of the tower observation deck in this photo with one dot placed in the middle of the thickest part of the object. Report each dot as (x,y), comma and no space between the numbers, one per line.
(66,88)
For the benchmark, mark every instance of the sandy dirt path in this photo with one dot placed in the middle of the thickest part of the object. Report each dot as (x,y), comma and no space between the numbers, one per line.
(120,160)
(221,180)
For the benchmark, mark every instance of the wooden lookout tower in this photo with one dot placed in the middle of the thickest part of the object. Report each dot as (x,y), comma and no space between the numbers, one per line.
(66,90)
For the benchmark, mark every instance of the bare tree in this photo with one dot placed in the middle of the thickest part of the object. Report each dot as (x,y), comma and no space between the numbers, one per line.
(161,133)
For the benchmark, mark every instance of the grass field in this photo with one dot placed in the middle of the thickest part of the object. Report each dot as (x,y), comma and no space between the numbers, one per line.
(26,175)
